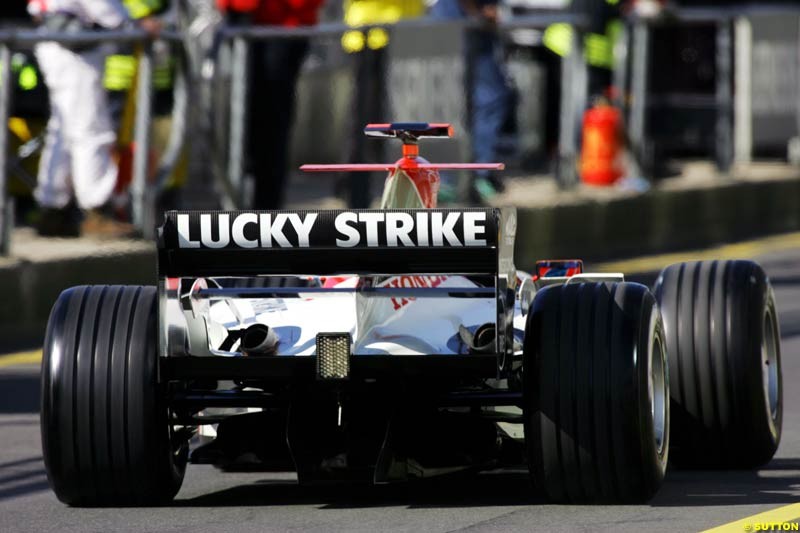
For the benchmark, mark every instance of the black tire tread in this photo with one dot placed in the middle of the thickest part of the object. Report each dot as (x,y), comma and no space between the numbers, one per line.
(104,428)
(581,422)
(712,314)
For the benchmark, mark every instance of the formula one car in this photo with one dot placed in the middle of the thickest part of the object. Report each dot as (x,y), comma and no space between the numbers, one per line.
(394,344)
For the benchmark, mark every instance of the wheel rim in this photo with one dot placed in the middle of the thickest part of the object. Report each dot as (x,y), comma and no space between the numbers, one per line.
(178,441)
(658,392)
(769,368)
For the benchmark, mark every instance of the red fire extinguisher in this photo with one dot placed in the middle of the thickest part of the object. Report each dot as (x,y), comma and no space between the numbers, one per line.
(602,146)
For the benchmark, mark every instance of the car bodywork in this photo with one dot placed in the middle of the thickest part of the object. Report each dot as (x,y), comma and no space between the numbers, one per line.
(425,305)
(439,309)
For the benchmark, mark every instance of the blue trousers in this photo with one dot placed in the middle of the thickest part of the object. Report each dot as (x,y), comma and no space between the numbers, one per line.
(489,91)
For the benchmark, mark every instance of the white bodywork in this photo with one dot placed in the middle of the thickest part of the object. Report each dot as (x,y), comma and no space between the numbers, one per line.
(394,326)
(378,325)
(382,325)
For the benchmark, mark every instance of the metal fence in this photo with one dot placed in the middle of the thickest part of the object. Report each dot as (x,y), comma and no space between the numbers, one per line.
(143,191)
(230,182)
(733,98)
(240,39)
(732,101)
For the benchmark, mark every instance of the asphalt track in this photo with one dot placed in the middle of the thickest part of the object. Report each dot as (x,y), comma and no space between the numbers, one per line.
(492,501)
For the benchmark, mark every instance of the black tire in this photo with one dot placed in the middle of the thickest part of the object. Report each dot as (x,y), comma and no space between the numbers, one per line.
(105,433)
(719,316)
(590,429)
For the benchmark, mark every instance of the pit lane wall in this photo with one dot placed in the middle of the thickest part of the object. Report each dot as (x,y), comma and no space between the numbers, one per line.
(39,269)
(669,218)
(673,217)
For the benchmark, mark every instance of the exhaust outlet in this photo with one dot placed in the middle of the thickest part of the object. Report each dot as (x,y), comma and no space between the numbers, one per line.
(259,339)
(484,338)
(482,341)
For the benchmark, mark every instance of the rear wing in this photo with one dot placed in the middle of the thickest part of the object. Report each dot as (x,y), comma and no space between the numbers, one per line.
(409,131)
(326,242)
(205,244)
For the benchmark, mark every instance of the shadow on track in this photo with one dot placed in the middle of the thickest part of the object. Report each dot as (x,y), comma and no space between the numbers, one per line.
(20,462)
(790,323)
(499,488)
(777,484)
(25,489)
(22,477)
(19,392)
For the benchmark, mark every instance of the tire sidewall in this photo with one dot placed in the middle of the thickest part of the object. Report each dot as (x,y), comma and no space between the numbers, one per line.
(651,335)
(777,337)
(763,295)
(171,463)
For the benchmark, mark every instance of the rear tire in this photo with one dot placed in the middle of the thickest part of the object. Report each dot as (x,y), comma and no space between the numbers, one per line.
(724,349)
(596,388)
(105,433)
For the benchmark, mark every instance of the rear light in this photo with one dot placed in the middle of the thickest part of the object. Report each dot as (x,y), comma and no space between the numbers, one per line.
(562,268)
(333,356)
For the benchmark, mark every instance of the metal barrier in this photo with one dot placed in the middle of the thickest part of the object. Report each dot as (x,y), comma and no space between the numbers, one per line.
(734,138)
(143,194)
(6,212)
(573,101)
(734,128)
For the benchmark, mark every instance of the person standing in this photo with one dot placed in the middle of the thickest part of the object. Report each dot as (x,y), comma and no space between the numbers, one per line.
(368,48)
(490,90)
(274,71)
(121,66)
(77,160)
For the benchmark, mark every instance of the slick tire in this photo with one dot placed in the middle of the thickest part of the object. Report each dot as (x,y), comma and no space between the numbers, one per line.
(724,350)
(105,433)
(596,384)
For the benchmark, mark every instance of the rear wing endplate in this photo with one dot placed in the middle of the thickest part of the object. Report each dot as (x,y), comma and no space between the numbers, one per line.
(409,131)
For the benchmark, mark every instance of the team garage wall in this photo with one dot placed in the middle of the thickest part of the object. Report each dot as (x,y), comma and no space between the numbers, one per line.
(776,82)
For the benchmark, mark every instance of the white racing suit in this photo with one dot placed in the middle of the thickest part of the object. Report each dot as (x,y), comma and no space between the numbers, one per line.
(77,154)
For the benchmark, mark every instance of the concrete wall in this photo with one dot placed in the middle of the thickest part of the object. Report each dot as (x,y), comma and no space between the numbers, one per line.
(660,221)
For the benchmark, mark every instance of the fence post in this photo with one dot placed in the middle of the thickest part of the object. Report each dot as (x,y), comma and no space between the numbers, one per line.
(237,149)
(620,75)
(638,112)
(573,103)
(743,95)
(724,129)
(141,193)
(6,217)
